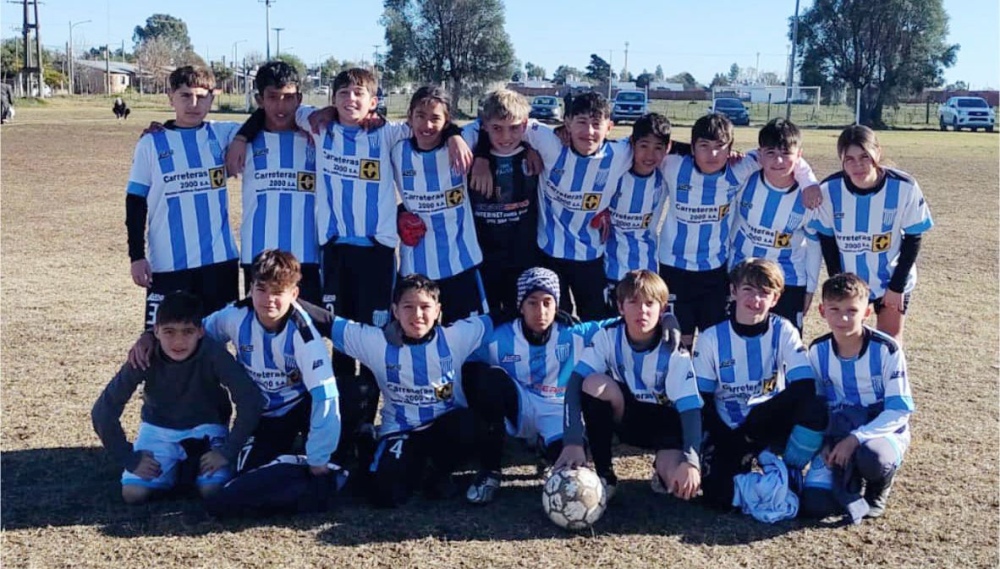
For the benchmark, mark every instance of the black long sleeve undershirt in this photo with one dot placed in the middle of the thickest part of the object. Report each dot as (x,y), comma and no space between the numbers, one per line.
(831,254)
(908,250)
(136,209)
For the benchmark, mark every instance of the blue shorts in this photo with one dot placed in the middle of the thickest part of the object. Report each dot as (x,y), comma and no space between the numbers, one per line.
(165,444)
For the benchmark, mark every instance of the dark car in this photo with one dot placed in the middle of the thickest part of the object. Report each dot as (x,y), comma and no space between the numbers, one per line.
(733,109)
(545,108)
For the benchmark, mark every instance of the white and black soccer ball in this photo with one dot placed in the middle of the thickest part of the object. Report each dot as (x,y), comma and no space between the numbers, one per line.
(574,499)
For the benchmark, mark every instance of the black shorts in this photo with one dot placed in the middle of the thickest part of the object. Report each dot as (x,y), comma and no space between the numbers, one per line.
(790,305)
(275,436)
(879,303)
(586,281)
(651,426)
(216,285)
(358,281)
(462,296)
(697,298)
(310,287)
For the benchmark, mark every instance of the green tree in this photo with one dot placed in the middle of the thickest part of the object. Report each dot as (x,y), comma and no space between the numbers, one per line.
(658,74)
(12,61)
(598,69)
(461,42)
(734,73)
(295,61)
(644,79)
(885,49)
(171,35)
(685,79)
(564,72)
(534,71)
(719,80)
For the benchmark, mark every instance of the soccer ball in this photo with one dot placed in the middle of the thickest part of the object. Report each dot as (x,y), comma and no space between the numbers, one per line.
(574,499)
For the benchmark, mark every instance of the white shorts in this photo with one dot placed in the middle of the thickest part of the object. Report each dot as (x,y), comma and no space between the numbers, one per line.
(166,448)
(539,417)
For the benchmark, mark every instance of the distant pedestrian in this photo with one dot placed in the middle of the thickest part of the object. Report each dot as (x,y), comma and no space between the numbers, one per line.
(120,109)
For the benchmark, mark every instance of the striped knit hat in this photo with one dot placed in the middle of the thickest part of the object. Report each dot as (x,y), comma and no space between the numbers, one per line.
(537,278)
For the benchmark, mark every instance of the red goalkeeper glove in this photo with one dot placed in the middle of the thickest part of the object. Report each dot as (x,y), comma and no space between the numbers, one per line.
(602,223)
(411,228)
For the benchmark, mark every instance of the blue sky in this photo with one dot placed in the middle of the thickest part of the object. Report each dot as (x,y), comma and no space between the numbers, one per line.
(700,37)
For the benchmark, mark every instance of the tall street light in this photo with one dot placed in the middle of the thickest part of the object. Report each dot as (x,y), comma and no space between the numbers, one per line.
(277,48)
(236,66)
(72,65)
(791,63)
(267,24)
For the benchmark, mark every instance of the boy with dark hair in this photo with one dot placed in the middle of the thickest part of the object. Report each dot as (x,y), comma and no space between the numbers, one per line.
(862,373)
(637,380)
(759,388)
(695,238)
(279,182)
(772,221)
(185,411)
(418,366)
(178,182)
(635,209)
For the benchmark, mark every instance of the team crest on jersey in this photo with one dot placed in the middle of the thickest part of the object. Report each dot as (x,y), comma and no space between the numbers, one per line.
(591,201)
(881,242)
(217,177)
(369,170)
(888,217)
(723,211)
(562,352)
(306,181)
(769,385)
(380,318)
(444,391)
(455,197)
(510,358)
(446,366)
(794,220)
(646,219)
(783,240)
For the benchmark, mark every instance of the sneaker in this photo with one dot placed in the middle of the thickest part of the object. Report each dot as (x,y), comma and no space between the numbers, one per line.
(877,496)
(610,481)
(484,488)
(656,484)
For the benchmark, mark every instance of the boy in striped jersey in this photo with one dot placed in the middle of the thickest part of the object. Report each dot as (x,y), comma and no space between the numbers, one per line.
(436,225)
(522,379)
(178,182)
(282,351)
(637,380)
(279,182)
(772,221)
(695,238)
(759,388)
(418,366)
(862,373)
(635,206)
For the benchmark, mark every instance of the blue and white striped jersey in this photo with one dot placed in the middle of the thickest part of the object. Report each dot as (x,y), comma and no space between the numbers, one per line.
(745,372)
(182,175)
(876,376)
(356,202)
(869,228)
(439,197)
(662,374)
(772,223)
(634,207)
(419,382)
(279,197)
(285,366)
(572,190)
(695,233)
(542,370)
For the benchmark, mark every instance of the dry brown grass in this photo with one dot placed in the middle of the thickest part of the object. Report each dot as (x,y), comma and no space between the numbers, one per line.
(70,312)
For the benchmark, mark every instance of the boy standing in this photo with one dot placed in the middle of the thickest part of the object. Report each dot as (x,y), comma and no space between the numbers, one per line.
(178,182)
(279,182)
(772,220)
(185,412)
(637,380)
(862,373)
(757,382)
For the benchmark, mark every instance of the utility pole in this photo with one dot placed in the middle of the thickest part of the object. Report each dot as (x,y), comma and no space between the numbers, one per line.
(267,24)
(72,66)
(791,63)
(32,63)
(277,50)
(625,68)
(611,55)
(375,66)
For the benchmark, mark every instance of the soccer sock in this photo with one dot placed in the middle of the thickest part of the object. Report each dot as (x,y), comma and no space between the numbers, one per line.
(600,428)
(802,444)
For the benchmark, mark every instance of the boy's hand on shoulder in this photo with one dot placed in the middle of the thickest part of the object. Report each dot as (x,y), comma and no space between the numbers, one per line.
(236,155)
(571,456)
(142,273)
(481,179)
(459,154)
(318,120)
(563,133)
(148,468)
(212,461)
(141,352)
(153,127)
(411,228)
(812,197)
(843,451)
(735,157)
(372,122)
(686,481)
(533,162)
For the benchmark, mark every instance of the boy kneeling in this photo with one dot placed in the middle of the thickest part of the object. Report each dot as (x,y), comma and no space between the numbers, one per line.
(185,412)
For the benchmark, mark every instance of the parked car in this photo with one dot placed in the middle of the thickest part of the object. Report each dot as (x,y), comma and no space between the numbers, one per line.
(629,106)
(545,108)
(966,112)
(732,108)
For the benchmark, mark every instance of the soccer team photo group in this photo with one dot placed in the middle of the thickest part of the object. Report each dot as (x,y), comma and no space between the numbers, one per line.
(355,307)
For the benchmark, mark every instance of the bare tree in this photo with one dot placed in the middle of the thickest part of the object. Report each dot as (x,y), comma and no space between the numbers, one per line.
(155,57)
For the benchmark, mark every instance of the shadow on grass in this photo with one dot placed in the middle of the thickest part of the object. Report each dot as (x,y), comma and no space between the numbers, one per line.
(79,486)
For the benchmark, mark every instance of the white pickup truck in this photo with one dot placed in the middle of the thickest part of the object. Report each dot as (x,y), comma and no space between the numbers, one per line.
(966,112)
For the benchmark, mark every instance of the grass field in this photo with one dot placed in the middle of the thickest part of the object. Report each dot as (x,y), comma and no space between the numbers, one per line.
(70,311)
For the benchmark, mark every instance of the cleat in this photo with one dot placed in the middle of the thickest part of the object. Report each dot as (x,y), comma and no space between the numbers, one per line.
(484,488)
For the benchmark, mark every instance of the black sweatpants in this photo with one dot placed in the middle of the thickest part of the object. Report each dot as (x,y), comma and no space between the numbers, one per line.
(586,280)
